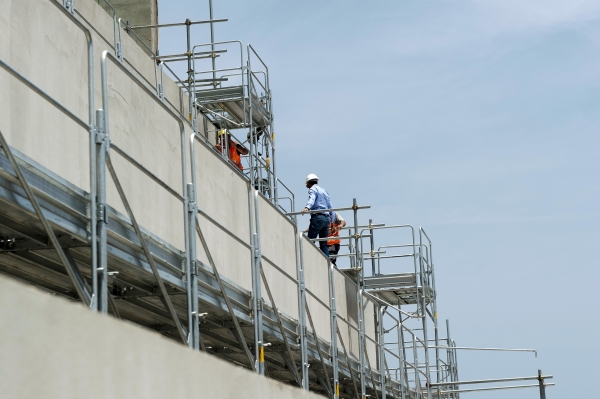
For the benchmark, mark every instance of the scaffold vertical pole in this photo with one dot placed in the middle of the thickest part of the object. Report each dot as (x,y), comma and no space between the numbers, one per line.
(542,386)
(259,350)
(381,352)
(434,307)
(359,297)
(101,210)
(212,45)
(424,315)
(192,269)
(452,360)
(401,355)
(190,71)
(302,310)
(333,322)
(257,291)
(376,317)
(418,387)
(273,162)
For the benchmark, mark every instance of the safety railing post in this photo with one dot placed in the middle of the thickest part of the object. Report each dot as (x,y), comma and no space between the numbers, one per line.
(274,161)
(401,354)
(542,386)
(423,280)
(190,70)
(333,322)
(101,212)
(377,319)
(257,291)
(302,312)
(418,387)
(381,352)
(192,269)
(359,301)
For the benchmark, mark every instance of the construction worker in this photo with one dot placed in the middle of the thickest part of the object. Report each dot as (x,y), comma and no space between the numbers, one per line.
(235,149)
(334,231)
(318,198)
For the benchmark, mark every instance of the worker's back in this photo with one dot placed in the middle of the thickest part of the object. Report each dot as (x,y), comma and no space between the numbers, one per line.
(321,198)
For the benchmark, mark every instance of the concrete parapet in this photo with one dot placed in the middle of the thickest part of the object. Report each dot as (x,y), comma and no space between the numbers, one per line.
(55,349)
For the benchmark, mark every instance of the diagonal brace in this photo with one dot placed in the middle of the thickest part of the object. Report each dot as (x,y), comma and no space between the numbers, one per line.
(165,295)
(348,362)
(371,372)
(280,324)
(78,281)
(314,331)
(239,333)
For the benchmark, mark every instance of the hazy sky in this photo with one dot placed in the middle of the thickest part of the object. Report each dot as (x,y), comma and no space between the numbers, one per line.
(477,120)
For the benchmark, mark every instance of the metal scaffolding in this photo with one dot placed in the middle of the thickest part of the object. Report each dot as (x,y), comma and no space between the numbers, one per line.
(73,243)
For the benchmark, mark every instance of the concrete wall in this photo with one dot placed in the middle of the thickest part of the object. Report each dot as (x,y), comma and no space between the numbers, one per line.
(50,348)
(42,44)
(137,13)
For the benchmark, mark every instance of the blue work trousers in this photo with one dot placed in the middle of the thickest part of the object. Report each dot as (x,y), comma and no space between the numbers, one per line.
(319,226)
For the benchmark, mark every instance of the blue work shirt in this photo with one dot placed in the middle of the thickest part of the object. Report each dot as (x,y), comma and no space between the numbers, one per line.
(318,198)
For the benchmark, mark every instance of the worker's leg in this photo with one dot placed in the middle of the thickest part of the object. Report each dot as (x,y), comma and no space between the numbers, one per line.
(314,227)
(319,227)
(324,233)
(333,250)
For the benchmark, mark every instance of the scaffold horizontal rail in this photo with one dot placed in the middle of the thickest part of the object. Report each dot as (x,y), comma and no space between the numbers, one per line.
(209,21)
(495,388)
(329,210)
(485,349)
(441,384)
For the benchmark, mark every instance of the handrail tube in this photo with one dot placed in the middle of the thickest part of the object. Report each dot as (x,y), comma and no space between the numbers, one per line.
(337,238)
(388,256)
(169,56)
(221,70)
(484,349)
(330,210)
(180,24)
(185,58)
(363,227)
(490,380)
(495,388)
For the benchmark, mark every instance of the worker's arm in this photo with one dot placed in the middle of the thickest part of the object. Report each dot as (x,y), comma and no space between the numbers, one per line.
(312,196)
(241,149)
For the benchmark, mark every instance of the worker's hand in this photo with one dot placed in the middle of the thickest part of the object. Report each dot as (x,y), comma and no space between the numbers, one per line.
(305,210)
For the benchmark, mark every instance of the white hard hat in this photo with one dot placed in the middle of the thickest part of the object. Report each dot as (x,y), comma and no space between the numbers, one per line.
(312,176)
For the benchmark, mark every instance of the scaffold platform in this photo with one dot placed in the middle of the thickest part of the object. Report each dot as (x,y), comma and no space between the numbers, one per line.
(402,287)
(231,104)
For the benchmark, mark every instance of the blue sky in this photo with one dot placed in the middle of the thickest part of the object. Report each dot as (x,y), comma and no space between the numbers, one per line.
(477,120)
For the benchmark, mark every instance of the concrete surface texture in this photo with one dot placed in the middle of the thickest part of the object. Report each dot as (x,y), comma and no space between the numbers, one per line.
(137,13)
(50,348)
(46,47)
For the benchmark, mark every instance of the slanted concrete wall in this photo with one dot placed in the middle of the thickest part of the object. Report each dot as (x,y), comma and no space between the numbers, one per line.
(51,348)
